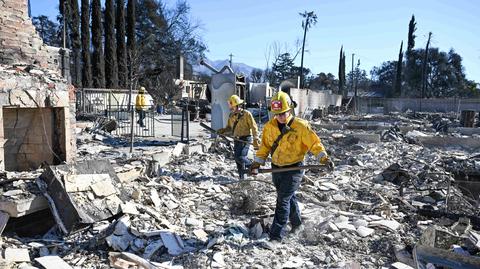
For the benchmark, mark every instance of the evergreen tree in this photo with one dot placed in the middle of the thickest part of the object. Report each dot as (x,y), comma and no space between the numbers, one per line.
(74,25)
(87,67)
(111,69)
(63,19)
(97,57)
(410,66)
(47,30)
(283,69)
(398,76)
(343,75)
(131,42)
(341,71)
(121,46)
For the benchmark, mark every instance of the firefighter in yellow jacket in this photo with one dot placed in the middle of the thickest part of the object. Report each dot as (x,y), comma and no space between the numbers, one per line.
(140,106)
(287,139)
(241,126)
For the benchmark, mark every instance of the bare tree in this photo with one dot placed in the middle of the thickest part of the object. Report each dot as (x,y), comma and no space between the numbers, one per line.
(256,75)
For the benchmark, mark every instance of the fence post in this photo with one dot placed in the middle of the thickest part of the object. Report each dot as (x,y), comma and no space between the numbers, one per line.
(82,100)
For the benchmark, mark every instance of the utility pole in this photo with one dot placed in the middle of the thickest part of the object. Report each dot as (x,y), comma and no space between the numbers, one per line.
(357,71)
(64,32)
(351,85)
(29,10)
(230,61)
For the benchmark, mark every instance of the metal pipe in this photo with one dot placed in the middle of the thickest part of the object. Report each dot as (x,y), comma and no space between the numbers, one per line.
(226,67)
(213,69)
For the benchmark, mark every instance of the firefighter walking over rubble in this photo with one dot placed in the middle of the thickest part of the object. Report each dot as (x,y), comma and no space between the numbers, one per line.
(287,139)
(241,126)
(140,105)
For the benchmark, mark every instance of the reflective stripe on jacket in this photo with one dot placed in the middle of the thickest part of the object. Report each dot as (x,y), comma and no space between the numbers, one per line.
(293,146)
(245,126)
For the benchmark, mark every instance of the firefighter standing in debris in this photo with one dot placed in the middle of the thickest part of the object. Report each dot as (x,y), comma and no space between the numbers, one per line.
(241,126)
(140,105)
(287,139)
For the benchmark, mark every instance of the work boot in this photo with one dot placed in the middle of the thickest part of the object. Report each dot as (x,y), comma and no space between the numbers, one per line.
(297,230)
(271,244)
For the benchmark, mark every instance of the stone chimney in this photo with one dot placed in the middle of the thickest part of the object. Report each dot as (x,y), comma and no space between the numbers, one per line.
(37,103)
(21,44)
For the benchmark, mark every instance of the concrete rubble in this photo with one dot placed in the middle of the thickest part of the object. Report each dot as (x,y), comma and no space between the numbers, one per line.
(173,205)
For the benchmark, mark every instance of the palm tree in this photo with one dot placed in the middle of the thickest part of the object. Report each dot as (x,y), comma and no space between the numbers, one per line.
(310,20)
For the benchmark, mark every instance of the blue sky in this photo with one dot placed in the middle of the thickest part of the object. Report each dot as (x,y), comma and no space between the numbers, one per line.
(372,29)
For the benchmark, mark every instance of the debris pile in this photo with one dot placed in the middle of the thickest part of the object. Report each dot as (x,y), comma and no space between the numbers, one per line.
(172,205)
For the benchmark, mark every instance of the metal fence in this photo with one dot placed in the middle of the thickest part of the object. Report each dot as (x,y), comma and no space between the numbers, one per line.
(123,118)
(97,101)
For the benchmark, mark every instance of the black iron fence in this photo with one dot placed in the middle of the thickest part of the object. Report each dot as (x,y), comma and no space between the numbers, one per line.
(97,101)
(123,117)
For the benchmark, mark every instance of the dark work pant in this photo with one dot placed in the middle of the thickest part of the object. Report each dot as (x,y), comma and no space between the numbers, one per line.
(141,116)
(286,184)
(240,153)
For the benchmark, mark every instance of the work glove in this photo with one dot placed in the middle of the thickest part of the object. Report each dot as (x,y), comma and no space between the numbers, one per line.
(222,131)
(253,169)
(256,144)
(325,160)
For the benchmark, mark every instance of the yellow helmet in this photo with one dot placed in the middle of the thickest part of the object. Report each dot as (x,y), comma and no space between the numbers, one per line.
(235,100)
(141,90)
(281,103)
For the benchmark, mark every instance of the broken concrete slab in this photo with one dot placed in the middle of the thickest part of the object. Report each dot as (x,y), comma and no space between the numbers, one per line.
(129,208)
(345,226)
(155,199)
(162,158)
(399,265)
(466,143)
(201,234)
(53,262)
(391,225)
(364,231)
(83,182)
(192,149)
(16,255)
(366,137)
(73,210)
(129,175)
(179,149)
(104,188)
(23,206)
(125,260)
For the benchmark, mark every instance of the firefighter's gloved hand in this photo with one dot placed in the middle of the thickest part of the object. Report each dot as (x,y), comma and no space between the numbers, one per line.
(222,131)
(256,144)
(325,160)
(331,165)
(253,170)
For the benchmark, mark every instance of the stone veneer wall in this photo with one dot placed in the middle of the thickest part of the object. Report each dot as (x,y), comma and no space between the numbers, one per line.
(21,91)
(31,84)
(19,41)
